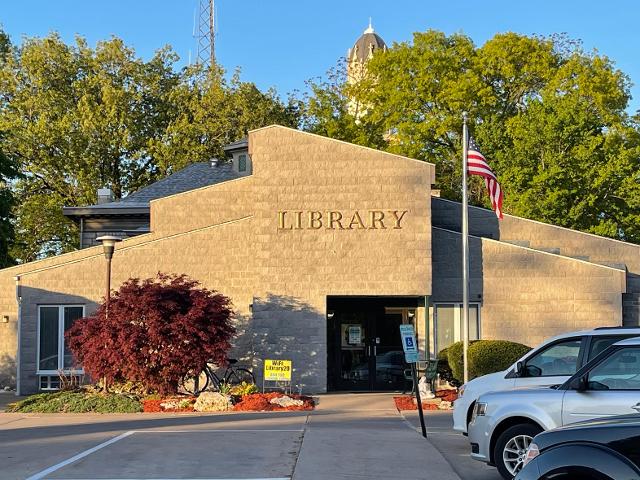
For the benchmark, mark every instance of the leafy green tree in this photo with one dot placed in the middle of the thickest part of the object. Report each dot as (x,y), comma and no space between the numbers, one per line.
(550,117)
(7,173)
(77,118)
(209,112)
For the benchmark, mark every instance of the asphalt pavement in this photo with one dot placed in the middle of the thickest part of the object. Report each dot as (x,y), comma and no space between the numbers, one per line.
(348,437)
(452,445)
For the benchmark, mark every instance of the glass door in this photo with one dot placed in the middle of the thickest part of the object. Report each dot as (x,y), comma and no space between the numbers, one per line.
(389,364)
(355,351)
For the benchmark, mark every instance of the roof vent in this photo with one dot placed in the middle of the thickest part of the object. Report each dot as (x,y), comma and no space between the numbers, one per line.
(105,195)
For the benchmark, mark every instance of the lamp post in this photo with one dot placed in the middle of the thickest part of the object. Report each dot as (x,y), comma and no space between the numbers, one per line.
(108,245)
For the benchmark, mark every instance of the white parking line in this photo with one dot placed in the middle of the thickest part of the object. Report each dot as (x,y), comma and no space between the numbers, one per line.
(219,430)
(64,463)
(58,466)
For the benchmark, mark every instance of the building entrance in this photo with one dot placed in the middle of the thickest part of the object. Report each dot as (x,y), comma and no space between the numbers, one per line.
(364,346)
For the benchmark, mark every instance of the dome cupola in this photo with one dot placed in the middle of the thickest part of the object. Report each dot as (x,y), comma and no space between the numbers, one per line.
(366,45)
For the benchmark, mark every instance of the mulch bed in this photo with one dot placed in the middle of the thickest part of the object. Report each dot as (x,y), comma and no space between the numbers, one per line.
(255,402)
(153,405)
(259,402)
(447,395)
(405,402)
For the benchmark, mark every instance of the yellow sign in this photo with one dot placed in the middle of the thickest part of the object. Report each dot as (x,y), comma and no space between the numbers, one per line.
(277,370)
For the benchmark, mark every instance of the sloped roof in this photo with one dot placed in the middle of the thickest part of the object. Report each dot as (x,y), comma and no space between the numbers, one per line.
(241,144)
(193,176)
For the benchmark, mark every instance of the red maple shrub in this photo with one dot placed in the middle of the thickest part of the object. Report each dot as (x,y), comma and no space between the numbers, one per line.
(157,331)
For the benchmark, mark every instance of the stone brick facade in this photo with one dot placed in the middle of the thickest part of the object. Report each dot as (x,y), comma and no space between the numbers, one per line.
(321,218)
(228,237)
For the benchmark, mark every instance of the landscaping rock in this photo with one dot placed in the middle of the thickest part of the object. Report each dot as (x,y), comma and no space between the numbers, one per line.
(286,402)
(212,402)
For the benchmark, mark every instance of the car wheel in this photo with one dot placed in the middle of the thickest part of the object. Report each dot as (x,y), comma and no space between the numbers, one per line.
(511,448)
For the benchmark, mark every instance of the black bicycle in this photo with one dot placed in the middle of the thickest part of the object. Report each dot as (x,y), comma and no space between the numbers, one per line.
(208,379)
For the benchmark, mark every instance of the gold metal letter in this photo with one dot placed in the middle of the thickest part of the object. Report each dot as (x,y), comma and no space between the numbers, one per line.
(397,218)
(315,220)
(377,217)
(281,221)
(356,220)
(335,217)
(298,220)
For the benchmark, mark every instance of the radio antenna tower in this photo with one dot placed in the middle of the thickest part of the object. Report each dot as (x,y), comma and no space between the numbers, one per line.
(205,34)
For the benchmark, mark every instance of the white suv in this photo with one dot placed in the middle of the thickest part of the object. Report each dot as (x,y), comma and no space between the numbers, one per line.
(504,423)
(550,363)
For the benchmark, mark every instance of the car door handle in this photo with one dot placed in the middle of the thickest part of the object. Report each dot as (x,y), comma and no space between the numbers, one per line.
(636,407)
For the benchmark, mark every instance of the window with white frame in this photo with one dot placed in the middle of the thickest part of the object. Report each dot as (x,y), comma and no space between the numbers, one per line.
(449,323)
(53,321)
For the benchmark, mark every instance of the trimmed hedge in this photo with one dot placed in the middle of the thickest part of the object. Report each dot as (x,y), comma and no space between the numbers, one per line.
(444,370)
(455,357)
(484,356)
(77,402)
(488,356)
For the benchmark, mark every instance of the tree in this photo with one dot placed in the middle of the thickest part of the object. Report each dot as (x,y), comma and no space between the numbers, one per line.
(156,332)
(209,112)
(76,119)
(8,172)
(550,117)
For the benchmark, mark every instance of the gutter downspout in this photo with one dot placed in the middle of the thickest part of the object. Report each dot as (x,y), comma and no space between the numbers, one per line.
(19,349)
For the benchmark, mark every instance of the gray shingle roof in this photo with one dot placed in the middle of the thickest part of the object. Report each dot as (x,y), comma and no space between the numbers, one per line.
(190,177)
(241,144)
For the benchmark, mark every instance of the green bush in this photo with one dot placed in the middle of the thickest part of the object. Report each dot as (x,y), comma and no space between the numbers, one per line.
(488,356)
(444,370)
(77,402)
(244,389)
(484,356)
(455,357)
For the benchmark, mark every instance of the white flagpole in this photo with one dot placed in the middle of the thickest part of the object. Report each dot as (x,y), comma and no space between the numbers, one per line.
(465,250)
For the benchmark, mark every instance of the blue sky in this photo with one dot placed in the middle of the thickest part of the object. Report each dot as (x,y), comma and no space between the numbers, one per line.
(282,43)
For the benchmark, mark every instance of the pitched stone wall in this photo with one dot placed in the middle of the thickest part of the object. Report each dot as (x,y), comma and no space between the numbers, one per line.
(526,295)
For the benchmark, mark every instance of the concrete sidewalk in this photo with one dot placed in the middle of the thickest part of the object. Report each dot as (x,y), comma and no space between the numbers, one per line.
(352,436)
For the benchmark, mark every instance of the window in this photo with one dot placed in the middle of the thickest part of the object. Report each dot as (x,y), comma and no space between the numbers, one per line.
(49,382)
(558,359)
(620,371)
(53,321)
(242,163)
(449,324)
(600,344)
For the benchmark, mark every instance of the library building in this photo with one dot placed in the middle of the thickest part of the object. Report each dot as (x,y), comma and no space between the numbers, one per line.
(325,248)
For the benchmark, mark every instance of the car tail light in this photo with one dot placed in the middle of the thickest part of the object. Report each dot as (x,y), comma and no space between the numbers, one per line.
(532,453)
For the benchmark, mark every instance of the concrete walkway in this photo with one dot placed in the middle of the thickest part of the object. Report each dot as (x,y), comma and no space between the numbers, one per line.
(362,436)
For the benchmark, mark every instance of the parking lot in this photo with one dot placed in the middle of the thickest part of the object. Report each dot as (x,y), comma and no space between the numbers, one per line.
(452,445)
(345,438)
(248,446)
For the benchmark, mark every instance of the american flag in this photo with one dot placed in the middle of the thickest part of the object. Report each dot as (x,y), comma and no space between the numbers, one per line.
(477,165)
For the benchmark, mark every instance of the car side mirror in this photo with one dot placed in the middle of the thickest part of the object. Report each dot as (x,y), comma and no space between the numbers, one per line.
(579,384)
(520,369)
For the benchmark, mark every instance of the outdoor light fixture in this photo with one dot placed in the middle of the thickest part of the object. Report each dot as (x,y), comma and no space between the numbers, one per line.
(5,319)
(108,244)
(330,315)
(411,314)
